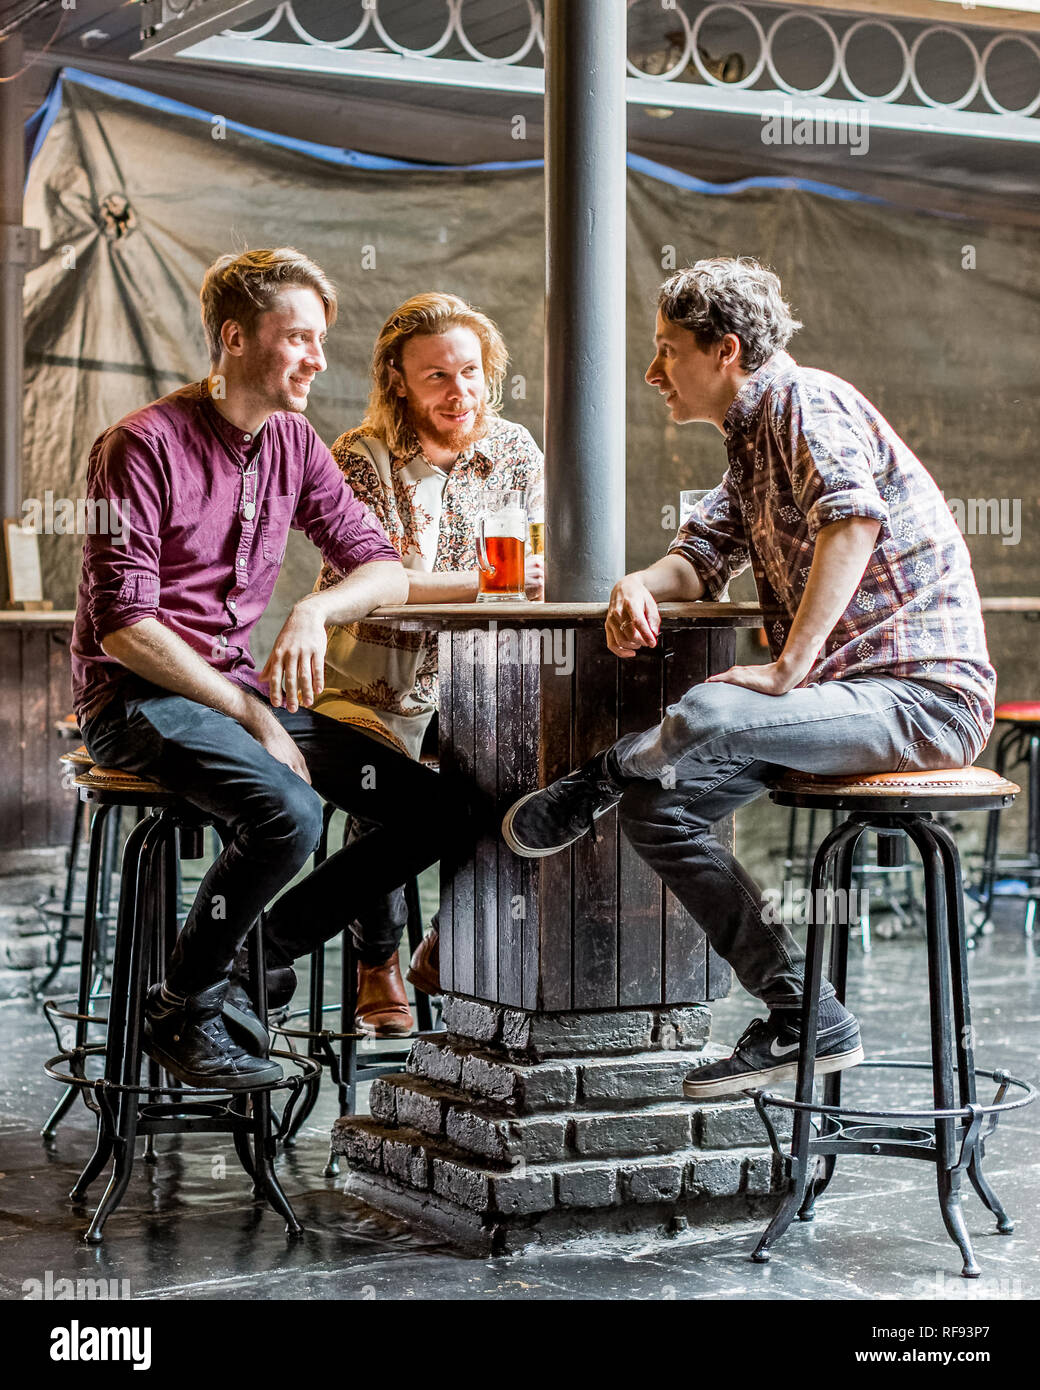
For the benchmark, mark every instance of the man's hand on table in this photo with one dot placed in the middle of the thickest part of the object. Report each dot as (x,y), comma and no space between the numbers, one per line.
(633,620)
(297,659)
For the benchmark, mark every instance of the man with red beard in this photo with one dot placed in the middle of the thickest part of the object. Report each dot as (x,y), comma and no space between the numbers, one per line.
(429,448)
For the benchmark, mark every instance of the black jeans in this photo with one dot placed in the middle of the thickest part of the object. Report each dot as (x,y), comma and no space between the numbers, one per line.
(270,821)
(378,934)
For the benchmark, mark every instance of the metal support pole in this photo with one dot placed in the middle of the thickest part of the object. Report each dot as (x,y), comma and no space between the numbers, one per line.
(585,143)
(17,252)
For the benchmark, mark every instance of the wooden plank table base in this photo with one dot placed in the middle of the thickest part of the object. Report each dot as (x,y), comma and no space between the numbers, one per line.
(576,987)
(35,692)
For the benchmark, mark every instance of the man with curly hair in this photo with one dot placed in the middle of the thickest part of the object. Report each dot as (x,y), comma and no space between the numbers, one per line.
(879,659)
(431,446)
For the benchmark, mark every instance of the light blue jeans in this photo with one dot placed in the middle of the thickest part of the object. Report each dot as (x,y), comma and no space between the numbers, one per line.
(719,747)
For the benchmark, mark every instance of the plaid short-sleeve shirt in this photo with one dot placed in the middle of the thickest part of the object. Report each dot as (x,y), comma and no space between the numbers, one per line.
(806,449)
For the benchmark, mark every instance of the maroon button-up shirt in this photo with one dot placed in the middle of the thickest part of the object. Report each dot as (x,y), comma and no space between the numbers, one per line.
(206,511)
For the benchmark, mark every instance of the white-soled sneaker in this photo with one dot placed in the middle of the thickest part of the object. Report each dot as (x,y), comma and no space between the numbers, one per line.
(546,821)
(767,1053)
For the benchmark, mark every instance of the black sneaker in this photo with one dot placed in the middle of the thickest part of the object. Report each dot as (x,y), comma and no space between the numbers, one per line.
(242,1021)
(549,820)
(767,1053)
(187,1036)
(239,1012)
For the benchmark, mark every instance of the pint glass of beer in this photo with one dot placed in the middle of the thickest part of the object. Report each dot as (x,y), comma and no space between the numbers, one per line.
(501,538)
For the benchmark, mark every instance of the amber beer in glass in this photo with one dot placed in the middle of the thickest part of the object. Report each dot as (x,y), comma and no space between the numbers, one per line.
(501,538)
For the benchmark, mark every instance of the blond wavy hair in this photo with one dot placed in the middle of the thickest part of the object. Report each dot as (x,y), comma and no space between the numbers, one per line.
(425,315)
(243,287)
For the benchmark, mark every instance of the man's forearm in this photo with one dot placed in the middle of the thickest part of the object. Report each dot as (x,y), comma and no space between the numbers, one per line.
(842,553)
(447,586)
(160,656)
(672,579)
(379,583)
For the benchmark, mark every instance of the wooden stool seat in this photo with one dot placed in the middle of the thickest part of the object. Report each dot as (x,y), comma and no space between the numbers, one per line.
(966,788)
(78,757)
(113,783)
(1019,711)
(67,727)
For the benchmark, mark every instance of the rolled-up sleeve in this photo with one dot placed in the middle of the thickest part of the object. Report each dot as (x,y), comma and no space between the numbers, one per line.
(345,531)
(713,539)
(122,561)
(833,459)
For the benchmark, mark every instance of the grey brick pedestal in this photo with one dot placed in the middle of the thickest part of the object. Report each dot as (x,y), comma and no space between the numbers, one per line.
(515,1128)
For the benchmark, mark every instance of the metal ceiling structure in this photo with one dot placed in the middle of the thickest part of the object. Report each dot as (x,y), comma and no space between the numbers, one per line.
(908,74)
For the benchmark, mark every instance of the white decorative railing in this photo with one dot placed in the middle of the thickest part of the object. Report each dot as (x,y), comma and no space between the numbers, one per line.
(669,61)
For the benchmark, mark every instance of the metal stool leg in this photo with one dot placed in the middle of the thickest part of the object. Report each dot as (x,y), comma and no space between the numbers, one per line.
(315,1049)
(982,916)
(963,1030)
(423,1015)
(129,981)
(67,898)
(800,1162)
(87,952)
(130,889)
(844,859)
(937,906)
(265,1181)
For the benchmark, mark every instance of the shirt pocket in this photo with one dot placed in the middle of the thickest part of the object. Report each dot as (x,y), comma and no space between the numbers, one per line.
(275,521)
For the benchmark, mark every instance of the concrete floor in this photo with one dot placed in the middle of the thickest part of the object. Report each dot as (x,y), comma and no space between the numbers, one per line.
(188,1228)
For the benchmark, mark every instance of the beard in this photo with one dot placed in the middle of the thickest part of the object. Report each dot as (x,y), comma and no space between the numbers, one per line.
(456,439)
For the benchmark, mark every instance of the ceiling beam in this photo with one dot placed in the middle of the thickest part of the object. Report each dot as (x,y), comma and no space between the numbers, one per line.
(203,18)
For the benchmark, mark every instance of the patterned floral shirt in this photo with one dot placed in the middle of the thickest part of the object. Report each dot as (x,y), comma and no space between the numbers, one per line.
(377,677)
(806,449)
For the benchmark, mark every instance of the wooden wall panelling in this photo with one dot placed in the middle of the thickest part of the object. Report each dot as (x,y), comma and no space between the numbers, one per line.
(640,916)
(555,873)
(512,904)
(595,945)
(485,768)
(685,948)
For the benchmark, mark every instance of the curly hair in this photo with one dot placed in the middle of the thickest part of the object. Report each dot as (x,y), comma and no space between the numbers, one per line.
(425,315)
(730,294)
(243,287)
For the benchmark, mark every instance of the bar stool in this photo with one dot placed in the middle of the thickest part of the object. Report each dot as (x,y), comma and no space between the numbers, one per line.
(69,910)
(95,918)
(146,926)
(953,1134)
(1018,743)
(337,1050)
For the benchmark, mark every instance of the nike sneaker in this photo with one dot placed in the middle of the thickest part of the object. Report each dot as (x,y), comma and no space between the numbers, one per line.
(767,1053)
(546,821)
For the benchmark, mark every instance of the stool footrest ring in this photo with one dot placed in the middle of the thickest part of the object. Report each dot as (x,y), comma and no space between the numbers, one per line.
(881,1131)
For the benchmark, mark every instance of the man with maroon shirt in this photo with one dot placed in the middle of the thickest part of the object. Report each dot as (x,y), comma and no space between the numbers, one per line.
(213,477)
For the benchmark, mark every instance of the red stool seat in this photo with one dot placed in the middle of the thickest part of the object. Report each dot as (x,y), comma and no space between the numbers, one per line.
(1019,711)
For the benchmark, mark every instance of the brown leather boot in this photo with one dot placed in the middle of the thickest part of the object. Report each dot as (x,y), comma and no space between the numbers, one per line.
(382,1005)
(424,972)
